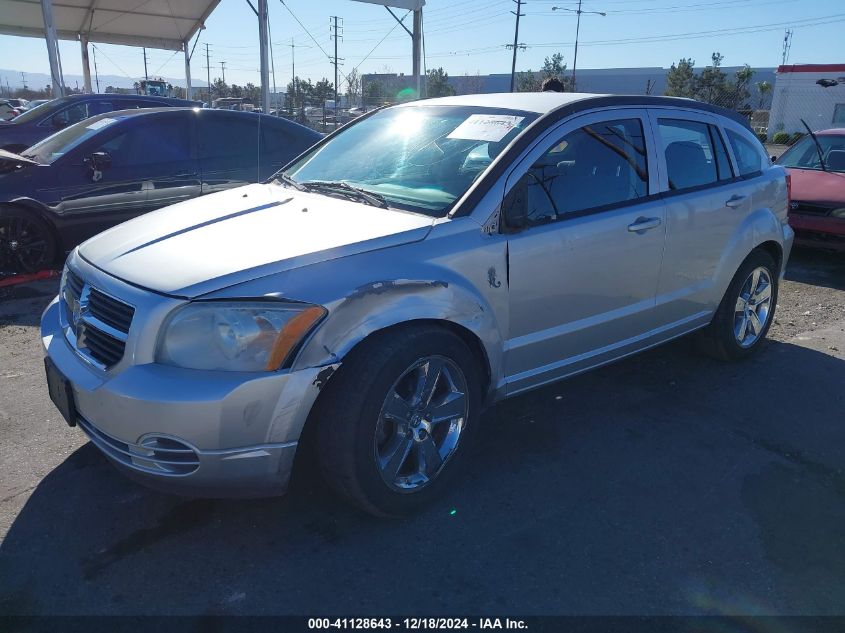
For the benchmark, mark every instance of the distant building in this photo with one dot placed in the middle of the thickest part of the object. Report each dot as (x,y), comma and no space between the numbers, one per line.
(813,92)
(629,81)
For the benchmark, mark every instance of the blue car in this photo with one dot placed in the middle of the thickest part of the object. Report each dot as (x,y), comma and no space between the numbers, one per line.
(48,118)
(115,166)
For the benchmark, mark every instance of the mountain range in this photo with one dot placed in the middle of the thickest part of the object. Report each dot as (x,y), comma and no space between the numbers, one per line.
(37,81)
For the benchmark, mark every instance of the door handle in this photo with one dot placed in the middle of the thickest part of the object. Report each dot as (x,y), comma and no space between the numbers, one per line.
(641,225)
(734,201)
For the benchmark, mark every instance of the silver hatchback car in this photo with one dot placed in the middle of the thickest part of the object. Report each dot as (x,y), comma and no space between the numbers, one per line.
(419,264)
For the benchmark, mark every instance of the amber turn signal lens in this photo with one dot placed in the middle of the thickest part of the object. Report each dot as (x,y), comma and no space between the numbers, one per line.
(292,333)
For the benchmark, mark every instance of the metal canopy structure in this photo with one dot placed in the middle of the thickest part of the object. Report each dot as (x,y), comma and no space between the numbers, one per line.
(165,24)
(416,34)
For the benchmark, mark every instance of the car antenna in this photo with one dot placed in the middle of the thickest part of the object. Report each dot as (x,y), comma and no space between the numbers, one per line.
(818,145)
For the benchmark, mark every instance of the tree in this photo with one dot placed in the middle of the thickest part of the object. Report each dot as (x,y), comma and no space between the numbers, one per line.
(741,92)
(219,88)
(437,83)
(680,82)
(353,87)
(527,81)
(764,89)
(323,90)
(554,67)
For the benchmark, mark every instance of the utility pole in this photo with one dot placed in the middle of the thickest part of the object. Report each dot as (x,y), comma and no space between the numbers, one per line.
(208,73)
(223,70)
(787,44)
(23,80)
(293,79)
(96,74)
(577,11)
(272,64)
(518,14)
(146,76)
(333,32)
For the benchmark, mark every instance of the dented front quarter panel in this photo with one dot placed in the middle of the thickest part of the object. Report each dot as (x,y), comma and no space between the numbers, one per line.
(458,273)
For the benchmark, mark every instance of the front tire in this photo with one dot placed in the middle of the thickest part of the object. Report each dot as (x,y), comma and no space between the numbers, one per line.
(27,244)
(745,314)
(395,420)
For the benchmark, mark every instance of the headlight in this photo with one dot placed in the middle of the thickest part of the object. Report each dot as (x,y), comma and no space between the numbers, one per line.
(254,336)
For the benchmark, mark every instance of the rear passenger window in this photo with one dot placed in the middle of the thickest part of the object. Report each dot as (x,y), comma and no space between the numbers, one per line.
(749,157)
(595,166)
(695,154)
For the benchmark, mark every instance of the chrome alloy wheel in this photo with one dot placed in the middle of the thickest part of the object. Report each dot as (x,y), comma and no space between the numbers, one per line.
(420,423)
(753,307)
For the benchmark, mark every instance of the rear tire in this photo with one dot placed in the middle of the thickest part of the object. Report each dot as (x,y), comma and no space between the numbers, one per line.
(394,422)
(741,322)
(27,243)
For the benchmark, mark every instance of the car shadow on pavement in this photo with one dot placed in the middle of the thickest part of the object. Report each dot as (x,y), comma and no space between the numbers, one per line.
(665,483)
(23,304)
(817,267)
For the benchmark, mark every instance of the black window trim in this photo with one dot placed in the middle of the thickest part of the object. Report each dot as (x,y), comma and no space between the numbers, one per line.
(740,176)
(645,126)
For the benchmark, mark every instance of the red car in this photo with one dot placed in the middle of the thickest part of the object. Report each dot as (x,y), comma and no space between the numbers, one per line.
(817,202)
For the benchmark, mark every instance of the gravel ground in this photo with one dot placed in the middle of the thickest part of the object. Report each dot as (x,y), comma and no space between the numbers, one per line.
(663,484)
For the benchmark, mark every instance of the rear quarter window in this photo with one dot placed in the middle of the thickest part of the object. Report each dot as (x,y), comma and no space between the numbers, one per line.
(750,158)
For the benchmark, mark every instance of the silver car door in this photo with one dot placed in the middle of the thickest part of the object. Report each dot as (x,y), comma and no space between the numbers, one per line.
(583,269)
(705,203)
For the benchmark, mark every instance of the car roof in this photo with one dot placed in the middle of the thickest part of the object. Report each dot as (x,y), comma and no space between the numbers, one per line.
(546,102)
(539,102)
(137,112)
(834,131)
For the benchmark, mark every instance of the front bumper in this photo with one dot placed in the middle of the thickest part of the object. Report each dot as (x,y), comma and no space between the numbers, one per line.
(202,433)
(826,232)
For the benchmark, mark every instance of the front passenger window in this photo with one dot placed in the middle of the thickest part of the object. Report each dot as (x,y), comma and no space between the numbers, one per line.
(591,168)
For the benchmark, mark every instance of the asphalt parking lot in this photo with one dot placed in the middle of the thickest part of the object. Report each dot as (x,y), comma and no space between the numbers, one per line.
(664,484)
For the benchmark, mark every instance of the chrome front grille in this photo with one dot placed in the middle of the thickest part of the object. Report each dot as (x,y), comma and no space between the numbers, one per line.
(97,324)
(154,454)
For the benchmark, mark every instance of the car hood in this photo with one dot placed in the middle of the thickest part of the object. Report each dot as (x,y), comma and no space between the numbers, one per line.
(811,185)
(215,241)
(8,159)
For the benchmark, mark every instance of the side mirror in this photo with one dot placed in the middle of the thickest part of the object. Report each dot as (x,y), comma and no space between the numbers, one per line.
(99,160)
(515,206)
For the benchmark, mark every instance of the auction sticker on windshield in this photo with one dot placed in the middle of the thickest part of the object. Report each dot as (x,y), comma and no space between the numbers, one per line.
(486,127)
(96,125)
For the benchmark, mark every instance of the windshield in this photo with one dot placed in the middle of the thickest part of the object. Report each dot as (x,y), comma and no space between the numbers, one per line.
(805,155)
(417,158)
(54,147)
(34,114)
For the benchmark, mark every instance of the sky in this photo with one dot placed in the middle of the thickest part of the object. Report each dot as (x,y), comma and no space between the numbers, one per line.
(469,37)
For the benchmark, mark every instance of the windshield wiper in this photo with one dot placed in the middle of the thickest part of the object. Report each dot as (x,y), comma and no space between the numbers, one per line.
(818,145)
(287,180)
(345,189)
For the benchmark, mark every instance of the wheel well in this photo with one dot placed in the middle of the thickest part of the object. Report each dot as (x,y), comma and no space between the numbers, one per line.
(35,211)
(774,249)
(466,335)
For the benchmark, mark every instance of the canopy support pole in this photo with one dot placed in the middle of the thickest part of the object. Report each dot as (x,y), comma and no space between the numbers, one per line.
(86,66)
(57,81)
(263,41)
(416,44)
(188,90)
